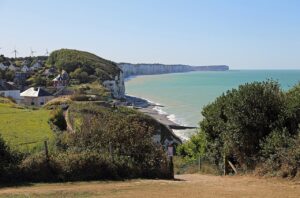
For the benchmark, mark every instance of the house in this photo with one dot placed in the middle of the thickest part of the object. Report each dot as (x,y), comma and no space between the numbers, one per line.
(3,67)
(12,67)
(50,72)
(20,78)
(8,90)
(36,96)
(25,69)
(37,65)
(26,62)
(61,80)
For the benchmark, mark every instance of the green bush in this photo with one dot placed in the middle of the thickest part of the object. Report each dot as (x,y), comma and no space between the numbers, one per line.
(8,162)
(254,126)
(280,155)
(79,166)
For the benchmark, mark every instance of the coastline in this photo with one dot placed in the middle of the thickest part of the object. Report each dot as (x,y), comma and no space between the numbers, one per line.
(149,108)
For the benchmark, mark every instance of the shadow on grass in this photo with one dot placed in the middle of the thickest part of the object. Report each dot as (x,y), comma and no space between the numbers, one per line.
(15,185)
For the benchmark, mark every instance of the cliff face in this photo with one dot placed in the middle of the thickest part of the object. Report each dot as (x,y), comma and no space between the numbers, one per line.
(148,69)
(116,86)
(211,68)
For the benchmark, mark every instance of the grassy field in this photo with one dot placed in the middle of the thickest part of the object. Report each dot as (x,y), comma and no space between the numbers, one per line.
(20,125)
(193,185)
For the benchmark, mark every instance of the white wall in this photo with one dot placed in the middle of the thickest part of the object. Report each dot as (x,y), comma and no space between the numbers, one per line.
(15,94)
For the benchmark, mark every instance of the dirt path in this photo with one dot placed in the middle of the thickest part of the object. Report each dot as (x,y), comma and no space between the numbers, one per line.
(184,187)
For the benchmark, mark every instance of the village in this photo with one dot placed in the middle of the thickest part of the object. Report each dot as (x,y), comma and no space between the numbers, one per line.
(48,82)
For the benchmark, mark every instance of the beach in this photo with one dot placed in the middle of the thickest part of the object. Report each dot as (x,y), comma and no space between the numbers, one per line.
(148,108)
(151,109)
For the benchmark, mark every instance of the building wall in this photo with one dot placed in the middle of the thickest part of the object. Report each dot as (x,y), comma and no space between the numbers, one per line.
(36,101)
(15,94)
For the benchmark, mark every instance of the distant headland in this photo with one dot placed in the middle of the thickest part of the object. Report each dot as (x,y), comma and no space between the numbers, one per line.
(148,69)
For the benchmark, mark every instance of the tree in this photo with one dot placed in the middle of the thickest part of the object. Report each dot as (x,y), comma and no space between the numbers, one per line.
(293,109)
(235,122)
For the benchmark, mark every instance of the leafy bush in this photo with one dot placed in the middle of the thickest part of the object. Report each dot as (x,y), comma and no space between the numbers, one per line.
(78,166)
(8,162)
(280,155)
(254,126)
(120,132)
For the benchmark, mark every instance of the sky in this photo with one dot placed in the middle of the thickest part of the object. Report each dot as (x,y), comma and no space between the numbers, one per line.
(256,34)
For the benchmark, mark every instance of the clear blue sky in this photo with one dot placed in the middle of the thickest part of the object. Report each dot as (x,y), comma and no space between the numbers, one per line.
(243,34)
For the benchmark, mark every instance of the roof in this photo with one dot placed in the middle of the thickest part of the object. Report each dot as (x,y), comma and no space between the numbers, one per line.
(4,86)
(58,78)
(35,92)
(63,76)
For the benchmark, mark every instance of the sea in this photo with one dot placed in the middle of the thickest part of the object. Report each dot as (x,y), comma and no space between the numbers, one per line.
(182,96)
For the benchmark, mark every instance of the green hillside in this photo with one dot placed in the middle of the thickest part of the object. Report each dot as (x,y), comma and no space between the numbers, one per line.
(92,65)
(19,126)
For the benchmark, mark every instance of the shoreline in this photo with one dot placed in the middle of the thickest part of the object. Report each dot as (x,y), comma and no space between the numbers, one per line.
(147,107)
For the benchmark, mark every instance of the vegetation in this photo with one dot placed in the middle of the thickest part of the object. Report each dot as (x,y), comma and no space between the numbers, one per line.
(19,126)
(8,159)
(83,66)
(106,143)
(255,127)
(122,133)
(90,92)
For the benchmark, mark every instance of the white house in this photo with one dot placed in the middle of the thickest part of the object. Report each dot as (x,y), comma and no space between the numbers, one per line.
(2,66)
(61,80)
(25,69)
(8,90)
(36,96)
(36,65)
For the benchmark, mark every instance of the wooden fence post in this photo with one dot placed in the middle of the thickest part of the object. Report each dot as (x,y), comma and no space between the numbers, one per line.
(46,150)
(171,166)
(225,165)
(232,166)
(199,163)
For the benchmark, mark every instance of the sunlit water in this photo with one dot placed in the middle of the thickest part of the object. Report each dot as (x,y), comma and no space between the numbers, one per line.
(183,95)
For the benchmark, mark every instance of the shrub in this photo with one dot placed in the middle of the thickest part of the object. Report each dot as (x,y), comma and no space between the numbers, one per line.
(8,162)
(78,166)
(254,126)
(280,155)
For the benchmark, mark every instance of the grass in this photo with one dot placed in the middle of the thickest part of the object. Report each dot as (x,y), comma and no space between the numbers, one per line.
(190,185)
(182,166)
(19,126)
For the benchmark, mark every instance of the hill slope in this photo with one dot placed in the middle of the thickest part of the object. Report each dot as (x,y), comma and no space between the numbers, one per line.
(70,60)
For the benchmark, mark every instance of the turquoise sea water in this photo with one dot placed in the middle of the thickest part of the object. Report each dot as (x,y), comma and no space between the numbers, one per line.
(183,95)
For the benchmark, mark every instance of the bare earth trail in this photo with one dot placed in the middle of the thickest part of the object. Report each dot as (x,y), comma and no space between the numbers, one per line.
(185,186)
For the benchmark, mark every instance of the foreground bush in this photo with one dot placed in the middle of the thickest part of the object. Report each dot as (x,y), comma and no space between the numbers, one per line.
(8,162)
(79,166)
(255,127)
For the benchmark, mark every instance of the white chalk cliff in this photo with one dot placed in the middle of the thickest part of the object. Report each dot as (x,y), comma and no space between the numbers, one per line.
(116,86)
(148,69)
